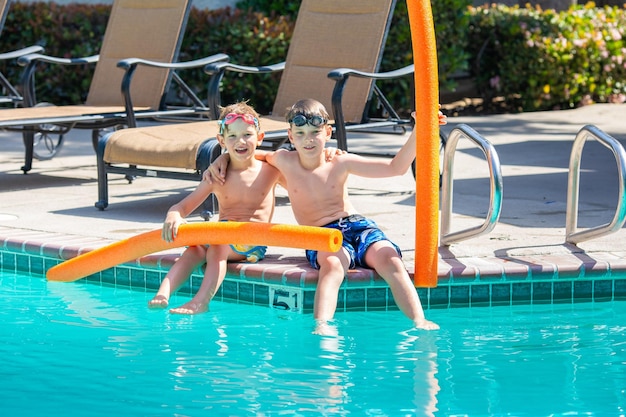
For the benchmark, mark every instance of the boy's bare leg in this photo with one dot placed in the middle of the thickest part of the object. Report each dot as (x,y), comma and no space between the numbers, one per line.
(191,258)
(214,274)
(333,267)
(382,257)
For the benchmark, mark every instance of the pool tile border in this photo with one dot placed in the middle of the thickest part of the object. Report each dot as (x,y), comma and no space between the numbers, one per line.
(289,283)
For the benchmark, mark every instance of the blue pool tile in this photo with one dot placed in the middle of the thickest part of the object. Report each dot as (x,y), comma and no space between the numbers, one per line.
(151,276)
(459,295)
(480,295)
(377,298)
(619,289)
(583,290)
(153,281)
(139,280)
(602,290)
(562,292)
(308,299)
(8,261)
(439,297)
(261,294)
(108,275)
(501,294)
(542,292)
(246,292)
(36,265)
(355,299)
(229,290)
(520,293)
(22,263)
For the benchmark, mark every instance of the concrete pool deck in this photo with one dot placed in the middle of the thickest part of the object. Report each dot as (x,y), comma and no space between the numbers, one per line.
(53,206)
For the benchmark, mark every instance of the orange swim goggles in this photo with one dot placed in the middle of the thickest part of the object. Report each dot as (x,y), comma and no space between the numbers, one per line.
(231,117)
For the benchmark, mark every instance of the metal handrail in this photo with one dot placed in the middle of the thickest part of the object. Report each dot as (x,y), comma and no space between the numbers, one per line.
(573,188)
(495,182)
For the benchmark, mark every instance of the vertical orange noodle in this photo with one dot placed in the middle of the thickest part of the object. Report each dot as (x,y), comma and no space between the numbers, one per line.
(427,128)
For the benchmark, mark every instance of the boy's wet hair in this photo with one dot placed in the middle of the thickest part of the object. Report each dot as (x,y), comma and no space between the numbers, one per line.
(241,107)
(308,107)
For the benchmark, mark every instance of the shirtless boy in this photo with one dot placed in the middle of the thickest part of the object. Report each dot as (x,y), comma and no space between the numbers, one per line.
(318,193)
(247,195)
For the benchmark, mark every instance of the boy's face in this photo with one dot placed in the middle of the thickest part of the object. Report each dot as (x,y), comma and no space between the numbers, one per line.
(240,139)
(307,138)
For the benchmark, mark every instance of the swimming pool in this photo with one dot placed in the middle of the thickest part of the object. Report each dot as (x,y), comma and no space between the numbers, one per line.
(83,349)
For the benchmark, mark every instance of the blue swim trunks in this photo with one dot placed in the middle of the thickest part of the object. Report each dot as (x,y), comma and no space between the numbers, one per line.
(359,233)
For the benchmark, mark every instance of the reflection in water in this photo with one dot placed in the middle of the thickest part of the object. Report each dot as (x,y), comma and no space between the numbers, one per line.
(244,360)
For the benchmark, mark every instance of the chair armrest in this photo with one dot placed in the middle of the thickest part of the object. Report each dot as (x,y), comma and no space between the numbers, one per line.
(130,65)
(202,62)
(217,70)
(218,67)
(343,73)
(28,76)
(33,58)
(21,52)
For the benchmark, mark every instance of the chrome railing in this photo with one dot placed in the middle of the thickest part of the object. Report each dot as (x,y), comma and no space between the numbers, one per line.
(495,180)
(573,187)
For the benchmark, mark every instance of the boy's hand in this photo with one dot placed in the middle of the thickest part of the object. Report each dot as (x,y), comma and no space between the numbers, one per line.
(443,119)
(331,152)
(216,172)
(170,226)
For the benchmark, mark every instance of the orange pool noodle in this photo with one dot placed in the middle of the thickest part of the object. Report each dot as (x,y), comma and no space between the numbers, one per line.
(217,233)
(427,128)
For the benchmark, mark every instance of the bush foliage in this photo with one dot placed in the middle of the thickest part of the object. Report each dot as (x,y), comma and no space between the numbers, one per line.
(255,33)
(541,60)
(532,59)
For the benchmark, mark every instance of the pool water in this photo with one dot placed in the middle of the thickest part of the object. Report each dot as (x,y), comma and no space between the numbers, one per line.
(80,349)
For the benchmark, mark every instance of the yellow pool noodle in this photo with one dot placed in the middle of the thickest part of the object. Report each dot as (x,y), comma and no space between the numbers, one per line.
(427,154)
(216,233)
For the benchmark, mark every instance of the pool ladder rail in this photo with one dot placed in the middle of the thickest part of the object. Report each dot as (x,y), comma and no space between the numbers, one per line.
(572,235)
(446,237)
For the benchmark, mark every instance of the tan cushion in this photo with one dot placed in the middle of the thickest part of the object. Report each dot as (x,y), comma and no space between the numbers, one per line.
(173,145)
(30,113)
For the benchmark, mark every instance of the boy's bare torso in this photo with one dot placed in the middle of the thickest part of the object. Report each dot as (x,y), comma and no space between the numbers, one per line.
(318,195)
(248,193)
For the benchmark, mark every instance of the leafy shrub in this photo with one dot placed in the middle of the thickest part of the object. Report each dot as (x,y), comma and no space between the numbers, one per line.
(543,60)
(256,33)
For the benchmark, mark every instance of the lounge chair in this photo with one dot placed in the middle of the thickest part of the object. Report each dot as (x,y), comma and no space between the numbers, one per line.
(329,36)
(136,28)
(10,93)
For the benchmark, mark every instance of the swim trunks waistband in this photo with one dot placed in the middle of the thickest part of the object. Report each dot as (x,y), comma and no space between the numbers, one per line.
(351,218)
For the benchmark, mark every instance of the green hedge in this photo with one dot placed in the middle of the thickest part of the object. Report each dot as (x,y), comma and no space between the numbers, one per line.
(250,37)
(527,58)
(535,59)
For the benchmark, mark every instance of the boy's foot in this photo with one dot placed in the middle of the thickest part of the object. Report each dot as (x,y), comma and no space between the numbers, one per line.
(159,301)
(324,328)
(425,324)
(190,308)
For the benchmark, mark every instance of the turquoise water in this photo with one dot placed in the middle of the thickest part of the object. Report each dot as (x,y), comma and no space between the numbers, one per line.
(80,349)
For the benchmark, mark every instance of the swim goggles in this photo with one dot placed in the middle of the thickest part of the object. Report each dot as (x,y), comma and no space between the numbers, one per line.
(300,120)
(231,117)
